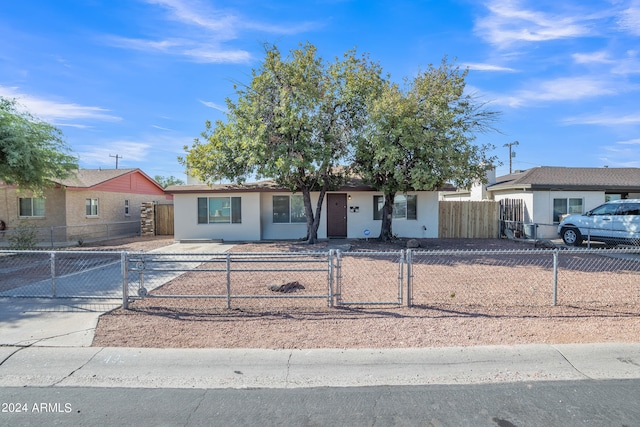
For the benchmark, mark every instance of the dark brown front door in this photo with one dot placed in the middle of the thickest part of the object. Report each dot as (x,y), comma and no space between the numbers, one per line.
(337,215)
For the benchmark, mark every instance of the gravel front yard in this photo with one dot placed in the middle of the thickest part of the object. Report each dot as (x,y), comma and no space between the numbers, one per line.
(205,323)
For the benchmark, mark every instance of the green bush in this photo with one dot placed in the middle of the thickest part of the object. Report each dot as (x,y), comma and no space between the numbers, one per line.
(22,238)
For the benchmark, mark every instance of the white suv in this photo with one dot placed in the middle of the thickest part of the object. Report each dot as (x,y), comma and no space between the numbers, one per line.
(614,222)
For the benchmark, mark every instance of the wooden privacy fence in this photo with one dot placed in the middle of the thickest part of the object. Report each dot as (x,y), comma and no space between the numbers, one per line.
(469,219)
(164,220)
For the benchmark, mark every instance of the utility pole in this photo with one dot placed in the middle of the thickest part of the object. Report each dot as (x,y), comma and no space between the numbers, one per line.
(511,154)
(117,157)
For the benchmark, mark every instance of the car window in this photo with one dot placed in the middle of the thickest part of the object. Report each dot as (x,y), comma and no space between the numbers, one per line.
(606,209)
(629,209)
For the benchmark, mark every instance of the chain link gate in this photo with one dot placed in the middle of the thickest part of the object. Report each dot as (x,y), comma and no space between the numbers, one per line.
(369,278)
(230,276)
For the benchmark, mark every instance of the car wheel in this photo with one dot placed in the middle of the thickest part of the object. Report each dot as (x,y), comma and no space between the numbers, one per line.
(571,236)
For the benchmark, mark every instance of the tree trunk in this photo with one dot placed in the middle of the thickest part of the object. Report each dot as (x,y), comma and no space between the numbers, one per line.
(386,233)
(313,220)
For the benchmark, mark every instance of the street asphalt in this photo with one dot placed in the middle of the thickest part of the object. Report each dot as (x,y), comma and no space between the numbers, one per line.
(45,343)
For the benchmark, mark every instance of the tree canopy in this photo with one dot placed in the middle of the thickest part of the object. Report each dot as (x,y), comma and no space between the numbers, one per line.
(32,152)
(165,181)
(421,136)
(295,123)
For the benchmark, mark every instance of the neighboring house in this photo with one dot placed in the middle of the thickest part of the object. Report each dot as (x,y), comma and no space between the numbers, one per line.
(264,211)
(87,197)
(477,192)
(551,192)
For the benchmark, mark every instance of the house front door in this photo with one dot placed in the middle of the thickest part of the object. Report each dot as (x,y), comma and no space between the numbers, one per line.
(336,215)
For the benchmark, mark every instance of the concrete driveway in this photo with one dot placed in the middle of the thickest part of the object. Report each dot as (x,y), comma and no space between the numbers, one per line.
(71,322)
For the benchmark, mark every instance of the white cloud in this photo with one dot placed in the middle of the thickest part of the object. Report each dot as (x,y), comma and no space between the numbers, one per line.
(604,119)
(601,57)
(200,15)
(629,19)
(129,152)
(558,90)
(213,105)
(509,22)
(486,67)
(622,154)
(206,53)
(58,113)
(146,151)
(635,141)
(204,31)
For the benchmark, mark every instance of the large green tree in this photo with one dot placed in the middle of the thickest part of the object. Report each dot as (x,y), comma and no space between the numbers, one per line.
(421,136)
(32,152)
(295,123)
(165,181)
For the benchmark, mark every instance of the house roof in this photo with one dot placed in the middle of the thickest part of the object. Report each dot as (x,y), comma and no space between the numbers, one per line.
(566,178)
(87,178)
(353,184)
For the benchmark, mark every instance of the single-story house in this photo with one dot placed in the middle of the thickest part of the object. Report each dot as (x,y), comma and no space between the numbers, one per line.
(264,211)
(548,193)
(88,197)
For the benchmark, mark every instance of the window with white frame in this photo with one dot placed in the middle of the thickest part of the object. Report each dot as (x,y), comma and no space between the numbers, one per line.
(31,207)
(405,206)
(289,209)
(126,207)
(219,210)
(91,206)
(563,206)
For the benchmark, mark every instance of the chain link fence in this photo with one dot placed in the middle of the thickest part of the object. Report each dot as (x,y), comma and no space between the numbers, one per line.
(64,274)
(65,236)
(234,279)
(589,278)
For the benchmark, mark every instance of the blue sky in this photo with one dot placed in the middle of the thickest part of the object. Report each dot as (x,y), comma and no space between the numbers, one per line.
(138,78)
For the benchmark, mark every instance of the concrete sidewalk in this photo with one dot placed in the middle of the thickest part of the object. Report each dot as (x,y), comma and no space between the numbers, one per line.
(69,322)
(254,368)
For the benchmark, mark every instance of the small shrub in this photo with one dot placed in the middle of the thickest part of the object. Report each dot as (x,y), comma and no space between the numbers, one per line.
(22,238)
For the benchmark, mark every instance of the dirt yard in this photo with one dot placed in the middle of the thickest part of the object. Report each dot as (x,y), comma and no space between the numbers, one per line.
(201,323)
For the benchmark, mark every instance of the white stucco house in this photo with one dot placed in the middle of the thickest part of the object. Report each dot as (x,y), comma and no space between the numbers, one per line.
(263,211)
(547,193)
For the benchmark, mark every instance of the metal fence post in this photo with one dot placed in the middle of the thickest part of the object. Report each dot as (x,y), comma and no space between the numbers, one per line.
(338,292)
(330,278)
(51,235)
(53,274)
(401,275)
(228,280)
(409,277)
(125,280)
(555,277)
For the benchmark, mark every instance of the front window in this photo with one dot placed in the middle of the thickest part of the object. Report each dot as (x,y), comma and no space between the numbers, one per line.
(31,207)
(219,210)
(566,206)
(605,210)
(91,207)
(289,209)
(126,207)
(404,206)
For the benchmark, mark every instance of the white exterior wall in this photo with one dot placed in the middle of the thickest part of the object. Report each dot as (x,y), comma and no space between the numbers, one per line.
(359,218)
(271,231)
(186,219)
(538,206)
(527,198)
(543,208)
(426,226)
